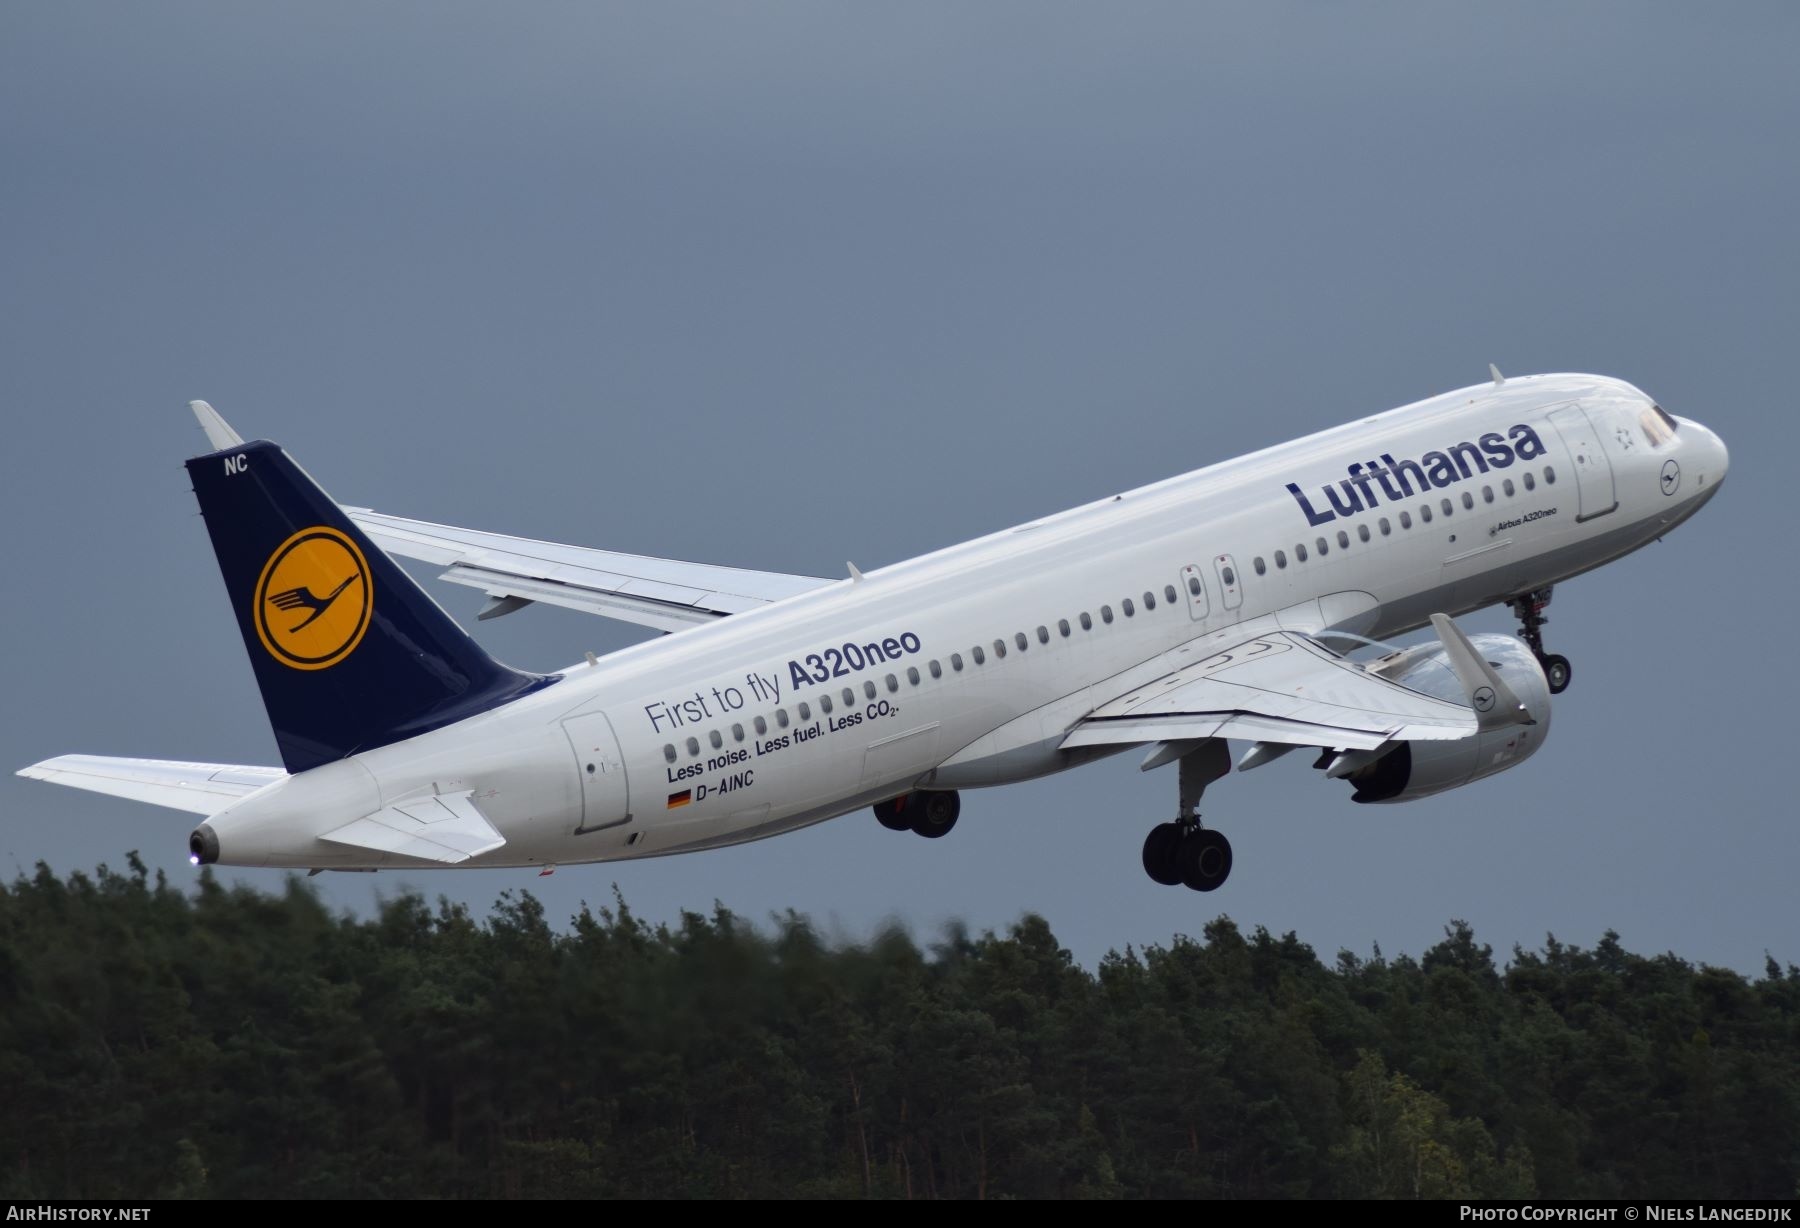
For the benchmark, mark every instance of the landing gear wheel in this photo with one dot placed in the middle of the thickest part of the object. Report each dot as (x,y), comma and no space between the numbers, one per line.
(1205,859)
(934,814)
(1160,849)
(894,814)
(1557,672)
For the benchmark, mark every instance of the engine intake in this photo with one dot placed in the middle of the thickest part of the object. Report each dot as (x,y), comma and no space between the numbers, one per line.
(1420,769)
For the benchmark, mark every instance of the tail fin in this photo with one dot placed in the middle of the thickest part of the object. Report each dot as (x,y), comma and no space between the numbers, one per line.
(350,653)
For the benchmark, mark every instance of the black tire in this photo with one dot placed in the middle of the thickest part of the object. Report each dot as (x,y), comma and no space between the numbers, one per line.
(1205,860)
(895,814)
(1558,673)
(1160,849)
(934,814)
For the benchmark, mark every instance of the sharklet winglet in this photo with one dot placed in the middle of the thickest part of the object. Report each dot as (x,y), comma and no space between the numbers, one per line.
(218,431)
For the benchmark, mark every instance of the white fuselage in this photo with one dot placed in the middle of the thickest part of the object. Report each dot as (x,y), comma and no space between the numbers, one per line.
(913,676)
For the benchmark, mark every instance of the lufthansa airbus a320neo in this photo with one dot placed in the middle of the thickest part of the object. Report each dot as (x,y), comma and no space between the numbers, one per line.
(1228,603)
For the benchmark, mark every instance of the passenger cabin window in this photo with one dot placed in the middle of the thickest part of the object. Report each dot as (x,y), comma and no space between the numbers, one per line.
(1300,552)
(1487,494)
(956,661)
(849,698)
(1425,512)
(781,718)
(912,674)
(1106,614)
(1043,635)
(999,650)
(1447,506)
(1128,607)
(1530,481)
(805,712)
(1468,500)
(893,683)
(825,704)
(1280,560)
(1262,568)
(980,656)
(1406,520)
(1020,641)
(1323,545)
(1344,539)
(1385,527)
(1229,575)
(669,752)
(1507,486)
(1549,475)
(693,745)
(1169,593)
(1087,624)
(937,671)
(1062,625)
(1193,586)
(737,733)
(868,690)
(1362,532)
(715,739)
(760,725)
(1149,601)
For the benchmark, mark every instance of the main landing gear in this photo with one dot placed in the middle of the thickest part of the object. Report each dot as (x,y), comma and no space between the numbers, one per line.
(1530,611)
(928,814)
(1183,851)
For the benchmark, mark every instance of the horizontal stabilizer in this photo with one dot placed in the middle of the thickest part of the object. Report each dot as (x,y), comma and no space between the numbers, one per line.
(447,828)
(198,788)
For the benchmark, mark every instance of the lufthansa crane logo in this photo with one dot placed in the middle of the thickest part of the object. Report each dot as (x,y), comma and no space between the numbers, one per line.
(314,599)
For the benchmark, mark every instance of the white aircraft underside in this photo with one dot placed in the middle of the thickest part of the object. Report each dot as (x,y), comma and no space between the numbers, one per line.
(1172,618)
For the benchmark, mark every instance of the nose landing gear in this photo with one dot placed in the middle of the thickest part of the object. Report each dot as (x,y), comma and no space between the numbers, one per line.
(1529,610)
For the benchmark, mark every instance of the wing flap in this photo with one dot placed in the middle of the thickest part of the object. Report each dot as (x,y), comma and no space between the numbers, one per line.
(667,594)
(198,788)
(447,828)
(1277,687)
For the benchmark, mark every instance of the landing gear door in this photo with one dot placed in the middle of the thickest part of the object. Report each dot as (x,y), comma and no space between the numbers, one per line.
(1193,583)
(605,799)
(1230,583)
(1593,471)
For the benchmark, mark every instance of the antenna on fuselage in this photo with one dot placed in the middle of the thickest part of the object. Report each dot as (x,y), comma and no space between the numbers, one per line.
(1499,379)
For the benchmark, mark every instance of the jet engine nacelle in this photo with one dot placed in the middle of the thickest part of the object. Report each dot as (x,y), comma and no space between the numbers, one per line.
(1420,769)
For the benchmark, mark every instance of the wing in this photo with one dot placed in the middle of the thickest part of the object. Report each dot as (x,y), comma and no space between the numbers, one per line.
(446,828)
(199,788)
(1277,687)
(515,571)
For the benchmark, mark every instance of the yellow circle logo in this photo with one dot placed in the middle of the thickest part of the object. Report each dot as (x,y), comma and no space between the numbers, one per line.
(314,599)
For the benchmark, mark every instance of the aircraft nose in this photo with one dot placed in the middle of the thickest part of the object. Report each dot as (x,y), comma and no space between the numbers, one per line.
(1711,457)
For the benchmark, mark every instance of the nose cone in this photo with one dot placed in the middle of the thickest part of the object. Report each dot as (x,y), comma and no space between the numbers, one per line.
(1707,457)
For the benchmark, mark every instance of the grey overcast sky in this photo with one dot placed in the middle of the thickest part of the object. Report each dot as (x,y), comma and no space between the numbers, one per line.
(783,285)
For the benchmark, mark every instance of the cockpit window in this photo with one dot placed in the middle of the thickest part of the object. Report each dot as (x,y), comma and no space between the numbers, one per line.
(1657,426)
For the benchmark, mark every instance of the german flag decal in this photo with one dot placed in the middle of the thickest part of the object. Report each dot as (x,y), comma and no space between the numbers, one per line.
(678,800)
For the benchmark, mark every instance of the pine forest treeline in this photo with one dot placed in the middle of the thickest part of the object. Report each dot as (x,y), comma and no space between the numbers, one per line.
(157,1042)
